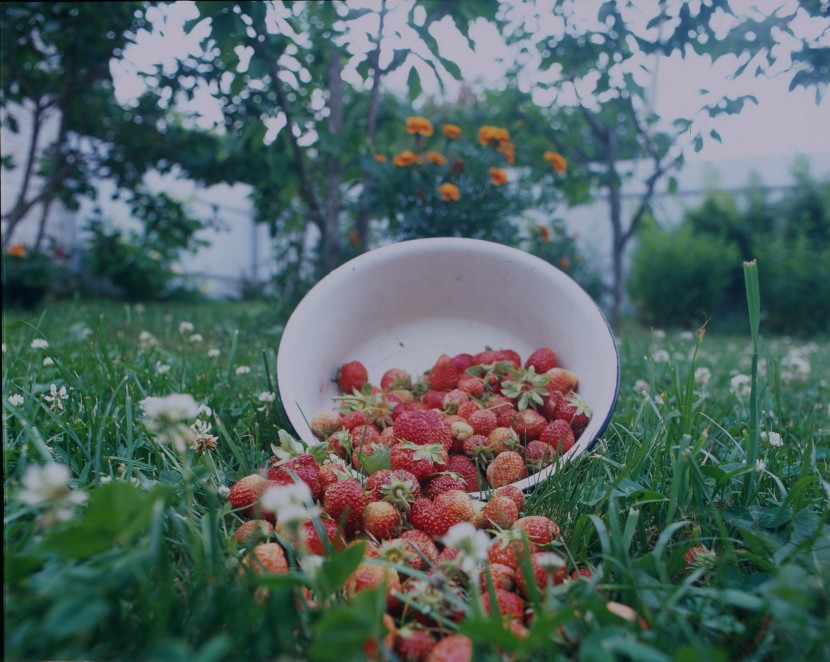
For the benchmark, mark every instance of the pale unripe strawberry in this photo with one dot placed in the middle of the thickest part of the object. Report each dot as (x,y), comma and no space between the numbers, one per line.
(267,557)
(325,422)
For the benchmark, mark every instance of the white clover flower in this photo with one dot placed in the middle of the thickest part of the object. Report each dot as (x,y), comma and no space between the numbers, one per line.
(86,332)
(204,411)
(224,491)
(105,480)
(795,367)
(658,333)
(760,465)
(213,352)
(267,396)
(772,438)
(203,441)
(660,356)
(48,485)
(641,386)
(242,370)
(686,335)
(186,327)
(15,400)
(196,338)
(39,343)
(472,545)
(164,416)
(4,348)
(162,368)
(146,340)
(549,561)
(139,308)
(48,362)
(658,400)
(740,385)
(702,376)
(55,397)
(291,504)
(311,565)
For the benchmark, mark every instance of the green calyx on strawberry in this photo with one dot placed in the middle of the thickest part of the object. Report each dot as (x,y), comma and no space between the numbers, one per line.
(526,387)
(573,409)
(375,405)
(421,461)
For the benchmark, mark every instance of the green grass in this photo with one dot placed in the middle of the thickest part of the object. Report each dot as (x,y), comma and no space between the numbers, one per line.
(148,567)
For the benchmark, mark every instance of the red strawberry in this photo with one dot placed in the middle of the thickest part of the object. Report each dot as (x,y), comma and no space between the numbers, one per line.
(573,409)
(484,421)
(369,575)
(371,645)
(310,539)
(351,377)
(381,520)
(267,557)
(515,494)
(506,468)
(305,467)
(454,648)
(344,502)
(245,493)
(544,568)
(561,380)
(538,455)
(402,407)
(478,448)
(422,428)
(471,385)
(538,529)
(507,547)
(364,435)
(423,546)
(510,605)
(500,512)
(332,472)
(502,576)
(394,379)
(443,376)
(443,482)
(421,461)
(399,487)
(464,467)
(503,439)
(505,414)
(559,435)
(454,507)
(543,359)
(352,419)
(453,400)
(467,408)
(253,531)
(413,644)
(433,399)
(462,361)
(528,424)
(340,443)
(432,596)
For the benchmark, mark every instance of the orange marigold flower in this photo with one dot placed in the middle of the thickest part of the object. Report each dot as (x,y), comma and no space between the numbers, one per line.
(354,238)
(565,263)
(557,161)
(492,135)
(449,192)
(508,148)
(405,158)
(545,232)
(452,131)
(437,158)
(498,176)
(380,158)
(419,125)
(18,250)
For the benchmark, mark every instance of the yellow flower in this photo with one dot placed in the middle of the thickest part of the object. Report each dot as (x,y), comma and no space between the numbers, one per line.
(557,161)
(437,158)
(452,131)
(419,125)
(498,176)
(492,135)
(449,192)
(405,158)
(18,250)
(380,158)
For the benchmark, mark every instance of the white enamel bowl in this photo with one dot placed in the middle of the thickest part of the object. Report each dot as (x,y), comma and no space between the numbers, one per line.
(405,304)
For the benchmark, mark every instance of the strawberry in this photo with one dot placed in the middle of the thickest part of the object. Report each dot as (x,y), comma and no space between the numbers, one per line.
(422,428)
(561,381)
(340,443)
(491,356)
(464,467)
(369,575)
(399,487)
(528,424)
(433,399)
(267,557)
(351,377)
(500,512)
(462,361)
(515,494)
(543,568)
(477,447)
(502,576)
(371,646)
(506,468)
(510,605)
(331,473)
(398,552)
(381,520)
(454,648)
(421,461)
(503,439)
(402,407)
(304,467)
(413,644)
(423,546)
(352,419)
(394,379)
(559,435)
(253,531)
(467,408)
(324,422)
(245,493)
(460,430)
(538,529)
(443,482)
(344,502)
(542,359)
(505,414)
(507,547)
(484,421)
(431,597)
(573,409)
(437,517)
(443,376)
(471,385)
(538,455)
(309,537)
(453,400)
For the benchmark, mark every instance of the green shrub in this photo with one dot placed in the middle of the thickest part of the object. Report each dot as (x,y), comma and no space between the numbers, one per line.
(678,277)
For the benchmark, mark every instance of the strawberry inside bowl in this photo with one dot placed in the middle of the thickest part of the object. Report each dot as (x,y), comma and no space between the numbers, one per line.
(404,305)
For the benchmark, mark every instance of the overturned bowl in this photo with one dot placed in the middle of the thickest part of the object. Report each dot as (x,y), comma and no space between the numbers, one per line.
(405,304)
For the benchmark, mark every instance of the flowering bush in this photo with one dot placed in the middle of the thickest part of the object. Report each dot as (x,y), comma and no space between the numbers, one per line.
(27,276)
(447,182)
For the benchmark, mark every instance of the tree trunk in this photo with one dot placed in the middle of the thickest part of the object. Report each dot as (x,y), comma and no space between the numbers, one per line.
(617,238)
(331,234)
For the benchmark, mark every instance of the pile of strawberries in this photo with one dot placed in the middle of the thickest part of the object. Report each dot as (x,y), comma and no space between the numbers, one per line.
(394,469)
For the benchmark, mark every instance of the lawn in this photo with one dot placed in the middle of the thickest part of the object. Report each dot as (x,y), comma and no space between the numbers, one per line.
(699,521)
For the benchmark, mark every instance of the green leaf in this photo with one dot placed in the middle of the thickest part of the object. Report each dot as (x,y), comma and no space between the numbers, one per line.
(413,83)
(341,630)
(337,567)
